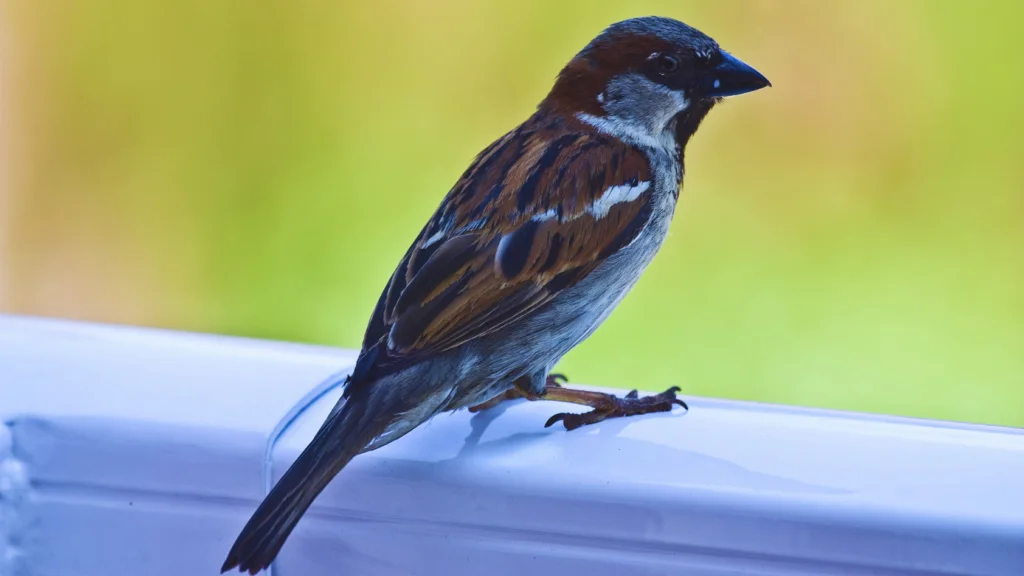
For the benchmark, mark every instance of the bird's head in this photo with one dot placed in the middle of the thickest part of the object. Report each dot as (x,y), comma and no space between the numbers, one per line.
(643,77)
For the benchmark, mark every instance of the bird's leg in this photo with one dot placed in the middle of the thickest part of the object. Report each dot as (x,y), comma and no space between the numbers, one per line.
(606,405)
(510,394)
(517,392)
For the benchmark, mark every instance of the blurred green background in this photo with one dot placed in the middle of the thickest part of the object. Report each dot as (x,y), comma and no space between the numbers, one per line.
(852,237)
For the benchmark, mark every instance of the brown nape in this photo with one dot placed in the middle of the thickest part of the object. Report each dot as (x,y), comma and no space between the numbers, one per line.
(587,75)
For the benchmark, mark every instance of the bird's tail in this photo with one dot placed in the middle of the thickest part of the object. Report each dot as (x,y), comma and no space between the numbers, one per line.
(341,437)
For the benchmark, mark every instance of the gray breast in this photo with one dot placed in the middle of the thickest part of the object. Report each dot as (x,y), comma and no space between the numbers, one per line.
(594,298)
(576,313)
(487,367)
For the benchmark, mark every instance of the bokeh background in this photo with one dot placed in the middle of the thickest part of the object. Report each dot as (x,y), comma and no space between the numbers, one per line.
(851,238)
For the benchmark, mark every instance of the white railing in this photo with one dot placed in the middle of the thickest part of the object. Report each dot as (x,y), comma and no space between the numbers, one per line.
(132,451)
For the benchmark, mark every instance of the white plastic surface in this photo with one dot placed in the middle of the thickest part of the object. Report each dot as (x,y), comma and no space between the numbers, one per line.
(130,451)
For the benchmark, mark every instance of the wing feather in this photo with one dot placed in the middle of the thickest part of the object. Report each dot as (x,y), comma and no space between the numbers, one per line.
(534,213)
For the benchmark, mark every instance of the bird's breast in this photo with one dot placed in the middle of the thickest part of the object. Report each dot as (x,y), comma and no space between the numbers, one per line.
(542,338)
(580,310)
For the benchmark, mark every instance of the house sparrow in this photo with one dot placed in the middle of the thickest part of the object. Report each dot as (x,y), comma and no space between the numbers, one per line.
(530,251)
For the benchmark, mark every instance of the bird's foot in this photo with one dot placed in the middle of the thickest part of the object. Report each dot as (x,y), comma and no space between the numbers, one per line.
(608,405)
(603,405)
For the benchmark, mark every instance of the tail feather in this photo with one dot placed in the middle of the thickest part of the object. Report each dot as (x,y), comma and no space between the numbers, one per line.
(342,436)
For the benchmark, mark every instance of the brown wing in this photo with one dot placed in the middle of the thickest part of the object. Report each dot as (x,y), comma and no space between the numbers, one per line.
(536,212)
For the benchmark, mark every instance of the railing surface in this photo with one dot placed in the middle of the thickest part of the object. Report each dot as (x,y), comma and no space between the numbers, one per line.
(136,451)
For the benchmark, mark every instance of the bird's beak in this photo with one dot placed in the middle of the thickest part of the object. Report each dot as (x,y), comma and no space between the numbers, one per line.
(730,77)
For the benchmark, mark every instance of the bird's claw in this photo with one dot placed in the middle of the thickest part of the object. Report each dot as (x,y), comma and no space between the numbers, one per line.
(629,405)
(556,380)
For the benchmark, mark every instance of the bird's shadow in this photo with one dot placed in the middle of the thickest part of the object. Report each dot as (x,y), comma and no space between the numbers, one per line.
(577,449)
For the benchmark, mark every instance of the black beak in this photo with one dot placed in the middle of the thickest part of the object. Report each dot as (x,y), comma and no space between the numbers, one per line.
(729,78)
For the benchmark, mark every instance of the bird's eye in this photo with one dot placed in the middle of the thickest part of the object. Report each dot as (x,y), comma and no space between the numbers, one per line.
(667,64)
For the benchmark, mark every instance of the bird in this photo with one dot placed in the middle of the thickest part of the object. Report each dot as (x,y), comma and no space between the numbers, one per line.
(532,248)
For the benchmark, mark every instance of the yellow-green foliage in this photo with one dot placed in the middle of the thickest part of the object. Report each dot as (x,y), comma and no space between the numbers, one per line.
(852,237)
